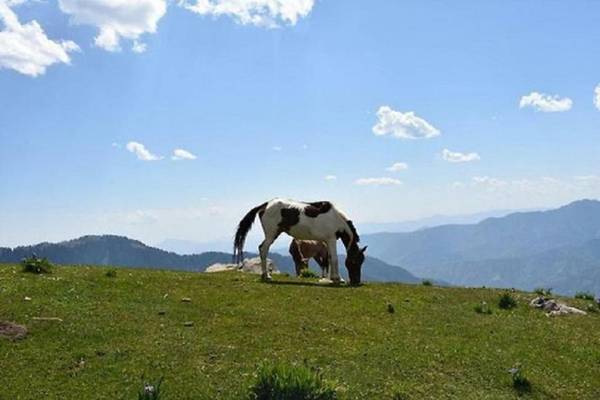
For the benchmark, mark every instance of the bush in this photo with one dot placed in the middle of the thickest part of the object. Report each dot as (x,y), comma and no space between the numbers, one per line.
(483,308)
(37,265)
(427,282)
(285,382)
(584,296)
(519,382)
(307,273)
(111,273)
(150,391)
(543,291)
(507,301)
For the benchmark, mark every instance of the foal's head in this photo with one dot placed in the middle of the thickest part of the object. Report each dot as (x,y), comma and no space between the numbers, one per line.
(354,262)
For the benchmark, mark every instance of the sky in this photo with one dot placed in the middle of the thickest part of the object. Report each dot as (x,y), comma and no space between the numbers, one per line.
(171,119)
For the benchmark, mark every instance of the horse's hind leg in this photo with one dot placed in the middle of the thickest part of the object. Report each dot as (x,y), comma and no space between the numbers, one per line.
(263,250)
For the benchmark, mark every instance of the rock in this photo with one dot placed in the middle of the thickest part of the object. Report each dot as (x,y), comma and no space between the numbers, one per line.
(12,331)
(188,323)
(186,300)
(249,265)
(553,307)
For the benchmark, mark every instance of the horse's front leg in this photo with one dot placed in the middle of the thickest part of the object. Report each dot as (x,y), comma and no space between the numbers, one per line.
(334,271)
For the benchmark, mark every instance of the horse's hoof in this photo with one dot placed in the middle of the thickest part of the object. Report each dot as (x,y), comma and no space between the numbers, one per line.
(266,278)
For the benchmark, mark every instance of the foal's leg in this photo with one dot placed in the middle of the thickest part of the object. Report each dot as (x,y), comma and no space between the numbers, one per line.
(334,272)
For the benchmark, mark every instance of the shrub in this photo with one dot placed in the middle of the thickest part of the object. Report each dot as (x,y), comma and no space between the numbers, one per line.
(543,291)
(483,308)
(519,382)
(584,296)
(36,265)
(111,273)
(150,391)
(427,282)
(307,273)
(507,301)
(285,382)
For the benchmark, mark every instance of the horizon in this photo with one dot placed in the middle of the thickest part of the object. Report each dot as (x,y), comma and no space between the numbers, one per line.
(254,238)
(172,120)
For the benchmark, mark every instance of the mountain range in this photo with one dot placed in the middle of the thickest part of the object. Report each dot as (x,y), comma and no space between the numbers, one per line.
(122,251)
(557,249)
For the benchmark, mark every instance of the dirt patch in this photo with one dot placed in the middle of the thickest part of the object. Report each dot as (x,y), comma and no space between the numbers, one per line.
(12,331)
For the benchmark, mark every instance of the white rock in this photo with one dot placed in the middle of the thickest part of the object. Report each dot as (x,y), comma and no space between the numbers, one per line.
(249,265)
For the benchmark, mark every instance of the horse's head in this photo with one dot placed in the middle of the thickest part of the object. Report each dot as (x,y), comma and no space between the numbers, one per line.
(354,261)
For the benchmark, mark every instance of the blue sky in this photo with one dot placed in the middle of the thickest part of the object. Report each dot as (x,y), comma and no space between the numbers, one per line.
(485,105)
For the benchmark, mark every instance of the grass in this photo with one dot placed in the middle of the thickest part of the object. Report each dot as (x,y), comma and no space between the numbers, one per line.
(307,273)
(113,331)
(36,265)
(507,301)
(584,296)
(290,382)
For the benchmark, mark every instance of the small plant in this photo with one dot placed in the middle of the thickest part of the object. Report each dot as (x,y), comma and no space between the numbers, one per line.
(519,382)
(483,308)
(543,291)
(390,308)
(506,301)
(150,391)
(584,296)
(427,282)
(285,382)
(36,265)
(307,273)
(111,273)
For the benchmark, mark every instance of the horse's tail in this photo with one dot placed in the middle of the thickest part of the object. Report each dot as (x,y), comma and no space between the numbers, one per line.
(242,231)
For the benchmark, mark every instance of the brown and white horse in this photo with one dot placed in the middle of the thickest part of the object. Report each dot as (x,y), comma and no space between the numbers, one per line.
(303,250)
(320,221)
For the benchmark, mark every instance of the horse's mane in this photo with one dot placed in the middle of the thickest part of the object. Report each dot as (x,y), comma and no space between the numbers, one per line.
(353,230)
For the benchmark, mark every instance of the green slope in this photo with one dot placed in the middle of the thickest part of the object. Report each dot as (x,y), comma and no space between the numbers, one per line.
(434,345)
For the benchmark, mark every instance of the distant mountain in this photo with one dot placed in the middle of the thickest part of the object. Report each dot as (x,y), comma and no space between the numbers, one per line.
(125,252)
(180,246)
(430,222)
(545,248)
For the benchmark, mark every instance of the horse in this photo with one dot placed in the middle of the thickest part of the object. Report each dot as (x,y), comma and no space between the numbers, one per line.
(320,221)
(303,250)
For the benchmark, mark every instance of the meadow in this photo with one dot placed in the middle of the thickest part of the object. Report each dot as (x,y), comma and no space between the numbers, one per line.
(205,334)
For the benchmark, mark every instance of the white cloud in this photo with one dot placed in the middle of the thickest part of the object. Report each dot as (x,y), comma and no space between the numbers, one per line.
(262,13)
(277,148)
(330,177)
(545,103)
(116,19)
(181,154)
(491,184)
(396,167)
(597,96)
(377,181)
(141,152)
(402,125)
(138,47)
(456,157)
(25,48)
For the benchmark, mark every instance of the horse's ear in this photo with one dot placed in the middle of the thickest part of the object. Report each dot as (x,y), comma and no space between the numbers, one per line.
(363,249)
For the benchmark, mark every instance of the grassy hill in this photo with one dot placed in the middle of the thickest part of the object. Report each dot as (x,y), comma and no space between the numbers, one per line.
(434,346)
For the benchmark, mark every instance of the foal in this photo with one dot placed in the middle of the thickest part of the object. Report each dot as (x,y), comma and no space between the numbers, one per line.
(303,250)
(320,221)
